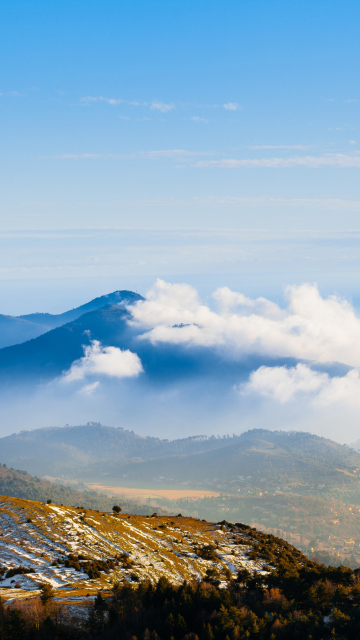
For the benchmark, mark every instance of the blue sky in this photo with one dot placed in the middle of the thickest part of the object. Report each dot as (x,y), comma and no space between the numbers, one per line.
(237,122)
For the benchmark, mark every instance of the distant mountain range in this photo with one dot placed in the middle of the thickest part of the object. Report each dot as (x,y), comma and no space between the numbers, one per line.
(259,459)
(18,329)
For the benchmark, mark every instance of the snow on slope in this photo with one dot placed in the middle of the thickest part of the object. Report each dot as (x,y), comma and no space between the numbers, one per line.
(36,535)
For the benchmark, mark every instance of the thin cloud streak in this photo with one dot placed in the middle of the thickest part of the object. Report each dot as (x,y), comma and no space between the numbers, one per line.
(159,153)
(278,146)
(312,162)
(162,106)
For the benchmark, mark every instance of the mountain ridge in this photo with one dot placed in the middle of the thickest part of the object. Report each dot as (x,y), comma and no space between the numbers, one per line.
(16,330)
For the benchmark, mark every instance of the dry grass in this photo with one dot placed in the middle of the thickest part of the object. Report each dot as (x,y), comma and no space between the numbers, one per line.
(155,546)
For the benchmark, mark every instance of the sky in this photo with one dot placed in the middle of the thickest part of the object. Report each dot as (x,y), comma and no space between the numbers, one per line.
(176,139)
(215,144)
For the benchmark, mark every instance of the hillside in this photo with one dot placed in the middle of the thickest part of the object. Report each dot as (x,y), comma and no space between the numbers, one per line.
(18,329)
(105,575)
(120,546)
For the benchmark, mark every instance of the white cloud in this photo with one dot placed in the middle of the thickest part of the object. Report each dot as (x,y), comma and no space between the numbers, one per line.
(89,156)
(198,119)
(112,101)
(172,154)
(232,106)
(107,361)
(162,106)
(313,162)
(286,384)
(311,327)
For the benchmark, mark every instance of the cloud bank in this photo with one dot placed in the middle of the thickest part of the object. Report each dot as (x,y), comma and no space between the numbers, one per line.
(309,328)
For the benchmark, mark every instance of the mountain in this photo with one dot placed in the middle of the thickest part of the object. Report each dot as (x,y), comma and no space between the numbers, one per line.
(260,459)
(50,354)
(49,321)
(18,329)
(64,449)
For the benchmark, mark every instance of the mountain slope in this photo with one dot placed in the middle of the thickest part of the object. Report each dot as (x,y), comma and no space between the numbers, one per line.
(15,330)
(18,329)
(50,321)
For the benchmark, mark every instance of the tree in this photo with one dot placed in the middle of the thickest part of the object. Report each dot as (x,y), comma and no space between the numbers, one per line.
(47,593)
(116,508)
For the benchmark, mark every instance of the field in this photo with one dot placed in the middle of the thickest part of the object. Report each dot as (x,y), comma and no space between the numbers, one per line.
(170,494)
